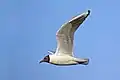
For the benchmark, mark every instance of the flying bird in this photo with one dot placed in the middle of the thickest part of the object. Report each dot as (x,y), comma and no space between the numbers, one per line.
(64,55)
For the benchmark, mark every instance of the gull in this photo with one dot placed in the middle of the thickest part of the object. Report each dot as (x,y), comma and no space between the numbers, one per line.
(64,55)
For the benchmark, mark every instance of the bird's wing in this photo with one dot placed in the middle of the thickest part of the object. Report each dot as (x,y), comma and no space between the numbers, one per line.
(65,34)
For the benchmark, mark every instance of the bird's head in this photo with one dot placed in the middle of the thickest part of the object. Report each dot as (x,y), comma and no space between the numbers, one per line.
(46,59)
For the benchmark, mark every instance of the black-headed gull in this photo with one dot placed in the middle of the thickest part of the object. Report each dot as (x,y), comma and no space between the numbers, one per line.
(65,35)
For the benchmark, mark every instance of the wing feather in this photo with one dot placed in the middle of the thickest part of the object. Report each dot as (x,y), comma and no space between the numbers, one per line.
(65,35)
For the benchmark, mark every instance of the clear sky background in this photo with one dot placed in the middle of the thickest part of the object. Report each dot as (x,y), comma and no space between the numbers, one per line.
(27,32)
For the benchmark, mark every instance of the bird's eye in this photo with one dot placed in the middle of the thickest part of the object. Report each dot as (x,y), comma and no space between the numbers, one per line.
(45,57)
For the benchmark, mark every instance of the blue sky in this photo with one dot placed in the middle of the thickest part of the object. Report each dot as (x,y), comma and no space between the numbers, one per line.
(27,31)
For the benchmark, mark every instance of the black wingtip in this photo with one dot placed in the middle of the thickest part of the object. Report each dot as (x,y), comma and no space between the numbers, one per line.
(88,12)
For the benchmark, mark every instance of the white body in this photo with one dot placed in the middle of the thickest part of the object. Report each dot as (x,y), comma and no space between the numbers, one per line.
(66,60)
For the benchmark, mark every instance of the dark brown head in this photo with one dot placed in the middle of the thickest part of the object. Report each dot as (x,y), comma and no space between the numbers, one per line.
(46,59)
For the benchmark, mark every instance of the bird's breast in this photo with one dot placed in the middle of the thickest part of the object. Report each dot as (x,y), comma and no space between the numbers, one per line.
(62,60)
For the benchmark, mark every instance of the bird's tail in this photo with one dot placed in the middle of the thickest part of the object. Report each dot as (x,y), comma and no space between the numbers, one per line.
(84,61)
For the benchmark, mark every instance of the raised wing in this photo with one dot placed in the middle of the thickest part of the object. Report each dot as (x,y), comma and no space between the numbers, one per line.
(65,34)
